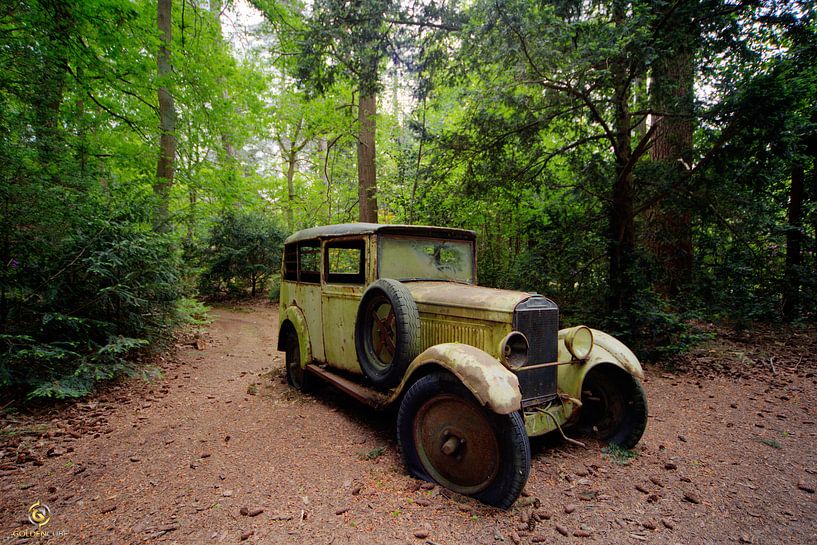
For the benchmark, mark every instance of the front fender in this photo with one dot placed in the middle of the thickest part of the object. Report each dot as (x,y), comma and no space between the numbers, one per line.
(490,382)
(606,349)
(295,317)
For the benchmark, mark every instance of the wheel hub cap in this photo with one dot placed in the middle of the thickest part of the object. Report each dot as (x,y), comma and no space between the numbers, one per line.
(456,444)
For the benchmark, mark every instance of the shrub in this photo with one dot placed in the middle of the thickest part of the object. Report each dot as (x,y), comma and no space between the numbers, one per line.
(242,251)
(109,289)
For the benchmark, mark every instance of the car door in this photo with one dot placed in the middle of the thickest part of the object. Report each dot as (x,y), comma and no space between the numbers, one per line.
(343,282)
(306,293)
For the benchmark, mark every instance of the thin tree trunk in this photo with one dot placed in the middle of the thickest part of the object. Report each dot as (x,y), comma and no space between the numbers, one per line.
(290,148)
(167,120)
(291,162)
(367,176)
(794,240)
(323,150)
(413,202)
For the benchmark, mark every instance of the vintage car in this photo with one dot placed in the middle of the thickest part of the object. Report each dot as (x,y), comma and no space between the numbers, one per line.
(392,314)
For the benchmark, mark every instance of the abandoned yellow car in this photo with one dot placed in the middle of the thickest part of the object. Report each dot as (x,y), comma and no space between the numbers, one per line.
(393,314)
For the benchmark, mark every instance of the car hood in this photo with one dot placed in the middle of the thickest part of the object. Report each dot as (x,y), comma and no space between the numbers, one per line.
(465,296)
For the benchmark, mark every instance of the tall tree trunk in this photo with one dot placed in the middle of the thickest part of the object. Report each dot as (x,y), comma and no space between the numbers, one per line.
(216,6)
(794,241)
(366,174)
(167,120)
(50,90)
(621,235)
(668,229)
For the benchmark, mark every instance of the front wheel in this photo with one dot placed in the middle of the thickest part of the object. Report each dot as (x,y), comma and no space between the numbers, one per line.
(614,406)
(447,437)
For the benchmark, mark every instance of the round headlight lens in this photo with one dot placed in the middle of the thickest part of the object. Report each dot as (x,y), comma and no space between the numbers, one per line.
(579,341)
(513,350)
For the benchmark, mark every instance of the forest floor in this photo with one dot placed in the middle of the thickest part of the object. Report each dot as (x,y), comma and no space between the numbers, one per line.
(221,450)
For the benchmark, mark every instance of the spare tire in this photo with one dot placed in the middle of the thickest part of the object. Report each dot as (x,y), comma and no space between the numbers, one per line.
(387,332)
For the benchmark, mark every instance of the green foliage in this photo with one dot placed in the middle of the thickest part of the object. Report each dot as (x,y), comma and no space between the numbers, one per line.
(193,312)
(109,290)
(241,253)
(619,455)
(373,454)
(772,443)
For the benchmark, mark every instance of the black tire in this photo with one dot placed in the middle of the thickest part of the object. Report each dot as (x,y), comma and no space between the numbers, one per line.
(387,332)
(614,406)
(490,459)
(297,376)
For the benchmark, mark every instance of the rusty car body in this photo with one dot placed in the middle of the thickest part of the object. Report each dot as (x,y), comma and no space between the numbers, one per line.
(393,314)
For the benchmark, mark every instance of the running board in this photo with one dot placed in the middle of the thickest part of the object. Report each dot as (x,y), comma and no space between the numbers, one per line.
(363,394)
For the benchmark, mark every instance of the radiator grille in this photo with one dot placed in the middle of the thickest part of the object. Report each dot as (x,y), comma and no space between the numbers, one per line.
(538,319)
(437,332)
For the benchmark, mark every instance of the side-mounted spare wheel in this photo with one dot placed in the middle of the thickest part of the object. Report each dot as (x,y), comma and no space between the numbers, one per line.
(387,332)
(614,406)
(447,437)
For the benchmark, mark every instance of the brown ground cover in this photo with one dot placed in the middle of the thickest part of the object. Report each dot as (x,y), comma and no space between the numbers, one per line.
(221,450)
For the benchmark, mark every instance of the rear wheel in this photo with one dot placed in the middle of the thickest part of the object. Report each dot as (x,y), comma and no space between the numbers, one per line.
(614,406)
(447,437)
(297,377)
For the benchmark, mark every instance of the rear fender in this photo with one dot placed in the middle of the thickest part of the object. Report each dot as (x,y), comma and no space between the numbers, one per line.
(294,317)
(490,382)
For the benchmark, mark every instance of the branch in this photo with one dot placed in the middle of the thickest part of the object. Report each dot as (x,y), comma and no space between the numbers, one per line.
(522,42)
(110,112)
(424,24)
(570,90)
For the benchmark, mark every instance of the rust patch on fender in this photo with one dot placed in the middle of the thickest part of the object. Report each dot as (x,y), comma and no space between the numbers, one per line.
(490,382)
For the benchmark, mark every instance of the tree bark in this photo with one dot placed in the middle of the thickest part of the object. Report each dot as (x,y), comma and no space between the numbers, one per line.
(366,173)
(794,242)
(48,99)
(165,168)
(668,229)
(621,234)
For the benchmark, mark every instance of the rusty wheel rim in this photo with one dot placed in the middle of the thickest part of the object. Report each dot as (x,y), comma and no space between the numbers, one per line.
(604,410)
(384,332)
(456,444)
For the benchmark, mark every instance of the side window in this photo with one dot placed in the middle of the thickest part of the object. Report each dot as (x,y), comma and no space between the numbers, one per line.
(345,262)
(291,262)
(309,261)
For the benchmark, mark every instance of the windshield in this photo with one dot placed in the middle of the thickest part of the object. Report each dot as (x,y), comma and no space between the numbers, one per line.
(425,258)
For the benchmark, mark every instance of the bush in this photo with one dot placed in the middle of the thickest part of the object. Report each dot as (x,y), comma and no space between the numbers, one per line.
(242,251)
(109,289)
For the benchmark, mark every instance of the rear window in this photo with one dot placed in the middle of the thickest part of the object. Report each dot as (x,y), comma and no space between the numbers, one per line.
(302,262)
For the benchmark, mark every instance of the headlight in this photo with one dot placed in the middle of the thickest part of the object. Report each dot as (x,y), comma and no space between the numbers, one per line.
(513,350)
(579,341)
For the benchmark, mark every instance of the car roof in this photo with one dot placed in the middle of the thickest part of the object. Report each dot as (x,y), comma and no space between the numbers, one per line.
(346,229)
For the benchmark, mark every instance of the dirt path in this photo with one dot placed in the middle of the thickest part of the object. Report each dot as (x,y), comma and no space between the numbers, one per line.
(220,450)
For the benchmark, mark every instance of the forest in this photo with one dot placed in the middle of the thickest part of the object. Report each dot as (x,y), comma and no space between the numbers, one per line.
(649,165)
